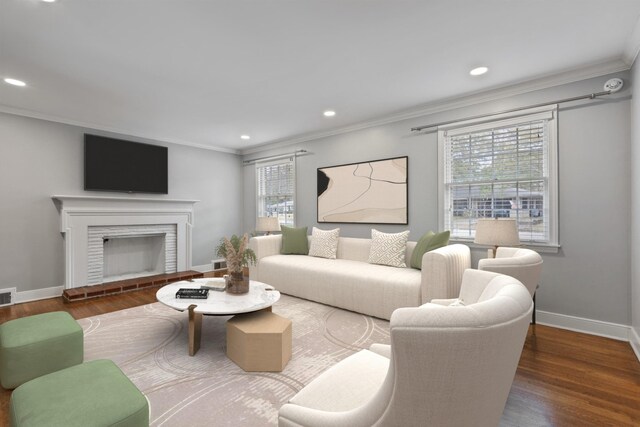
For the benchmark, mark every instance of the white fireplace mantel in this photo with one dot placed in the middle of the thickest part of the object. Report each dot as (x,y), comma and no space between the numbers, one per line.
(78,213)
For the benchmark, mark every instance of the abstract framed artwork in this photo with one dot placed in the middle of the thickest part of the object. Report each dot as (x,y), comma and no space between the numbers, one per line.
(374,192)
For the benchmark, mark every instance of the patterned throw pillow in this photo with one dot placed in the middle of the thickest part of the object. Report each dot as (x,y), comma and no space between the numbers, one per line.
(388,249)
(324,243)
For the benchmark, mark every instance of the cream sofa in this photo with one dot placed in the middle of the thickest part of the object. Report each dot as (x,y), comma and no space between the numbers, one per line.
(350,282)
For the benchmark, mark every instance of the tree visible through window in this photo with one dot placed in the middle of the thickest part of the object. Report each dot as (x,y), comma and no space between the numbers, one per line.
(275,183)
(501,169)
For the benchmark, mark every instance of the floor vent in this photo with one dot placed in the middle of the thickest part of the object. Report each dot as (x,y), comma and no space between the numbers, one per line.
(7,296)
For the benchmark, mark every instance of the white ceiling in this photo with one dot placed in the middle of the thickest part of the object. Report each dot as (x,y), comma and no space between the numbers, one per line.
(204,72)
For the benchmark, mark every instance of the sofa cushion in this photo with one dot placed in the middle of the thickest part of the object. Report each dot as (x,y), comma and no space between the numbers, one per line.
(324,243)
(428,242)
(388,248)
(346,385)
(354,248)
(294,241)
(371,289)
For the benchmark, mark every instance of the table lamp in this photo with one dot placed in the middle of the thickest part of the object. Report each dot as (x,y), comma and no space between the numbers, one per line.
(497,232)
(267,224)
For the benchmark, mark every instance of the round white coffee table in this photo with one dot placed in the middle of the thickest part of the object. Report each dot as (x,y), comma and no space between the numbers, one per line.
(218,303)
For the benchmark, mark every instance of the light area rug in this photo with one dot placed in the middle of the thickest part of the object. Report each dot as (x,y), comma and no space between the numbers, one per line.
(149,343)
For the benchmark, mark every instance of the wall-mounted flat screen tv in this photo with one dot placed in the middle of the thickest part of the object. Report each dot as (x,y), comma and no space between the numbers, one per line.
(116,165)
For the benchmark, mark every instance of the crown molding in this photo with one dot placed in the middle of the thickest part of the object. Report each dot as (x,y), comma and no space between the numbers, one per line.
(93,126)
(491,94)
(632,47)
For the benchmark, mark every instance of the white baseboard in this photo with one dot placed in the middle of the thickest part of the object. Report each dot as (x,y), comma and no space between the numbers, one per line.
(587,326)
(38,294)
(204,268)
(634,340)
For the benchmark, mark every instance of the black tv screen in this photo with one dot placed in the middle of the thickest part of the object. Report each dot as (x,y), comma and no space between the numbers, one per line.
(116,165)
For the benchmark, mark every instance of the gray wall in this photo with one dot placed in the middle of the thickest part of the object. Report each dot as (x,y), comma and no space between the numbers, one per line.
(589,277)
(39,159)
(635,209)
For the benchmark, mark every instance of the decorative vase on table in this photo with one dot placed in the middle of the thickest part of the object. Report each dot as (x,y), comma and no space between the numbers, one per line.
(238,255)
(236,283)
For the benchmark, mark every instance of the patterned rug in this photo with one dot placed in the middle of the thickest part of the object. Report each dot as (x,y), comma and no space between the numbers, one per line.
(149,344)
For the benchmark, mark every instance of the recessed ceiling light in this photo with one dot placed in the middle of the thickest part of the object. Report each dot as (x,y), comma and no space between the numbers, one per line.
(14,82)
(48,1)
(329,113)
(245,137)
(478,71)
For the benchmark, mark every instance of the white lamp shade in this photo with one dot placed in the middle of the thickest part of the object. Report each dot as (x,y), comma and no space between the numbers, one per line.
(267,224)
(497,232)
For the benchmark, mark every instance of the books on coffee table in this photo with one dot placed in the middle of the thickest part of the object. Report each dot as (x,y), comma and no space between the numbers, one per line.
(185,293)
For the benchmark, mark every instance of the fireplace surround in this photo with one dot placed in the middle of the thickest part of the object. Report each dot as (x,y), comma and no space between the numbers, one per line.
(87,219)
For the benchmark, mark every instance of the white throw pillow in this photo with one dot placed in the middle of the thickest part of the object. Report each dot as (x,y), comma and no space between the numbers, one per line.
(388,248)
(324,243)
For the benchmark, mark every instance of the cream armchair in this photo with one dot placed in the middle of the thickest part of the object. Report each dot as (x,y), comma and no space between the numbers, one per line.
(446,365)
(523,264)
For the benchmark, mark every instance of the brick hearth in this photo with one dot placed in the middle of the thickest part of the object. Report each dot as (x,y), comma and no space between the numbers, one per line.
(112,288)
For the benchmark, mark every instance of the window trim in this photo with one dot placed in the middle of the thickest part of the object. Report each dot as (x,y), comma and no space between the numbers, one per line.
(549,113)
(281,160)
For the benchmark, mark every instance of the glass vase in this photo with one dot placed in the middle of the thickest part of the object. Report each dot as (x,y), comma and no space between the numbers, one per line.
(237,283)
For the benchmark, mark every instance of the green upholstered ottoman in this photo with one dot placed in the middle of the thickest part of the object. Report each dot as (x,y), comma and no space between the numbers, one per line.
(94,393)
(37,345)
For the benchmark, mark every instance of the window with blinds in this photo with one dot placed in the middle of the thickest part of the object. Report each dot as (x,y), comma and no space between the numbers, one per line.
(276,190)
(505,168)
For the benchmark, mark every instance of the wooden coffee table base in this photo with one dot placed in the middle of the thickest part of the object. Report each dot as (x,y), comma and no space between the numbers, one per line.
(195,328)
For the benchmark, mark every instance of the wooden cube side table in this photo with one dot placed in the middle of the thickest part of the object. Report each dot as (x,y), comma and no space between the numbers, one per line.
(259,341)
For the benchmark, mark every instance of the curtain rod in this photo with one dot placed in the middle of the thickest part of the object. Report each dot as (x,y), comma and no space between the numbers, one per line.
(480,116)
(277,156)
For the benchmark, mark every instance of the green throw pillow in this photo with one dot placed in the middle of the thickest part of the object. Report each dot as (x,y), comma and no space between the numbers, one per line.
(428,242)
(294,241)
(421,249)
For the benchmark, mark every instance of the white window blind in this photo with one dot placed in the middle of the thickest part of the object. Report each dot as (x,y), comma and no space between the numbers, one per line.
(505,168)
(275,182)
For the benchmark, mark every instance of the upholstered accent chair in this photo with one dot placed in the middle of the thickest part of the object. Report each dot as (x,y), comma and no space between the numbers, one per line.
(446,365)
(523,264)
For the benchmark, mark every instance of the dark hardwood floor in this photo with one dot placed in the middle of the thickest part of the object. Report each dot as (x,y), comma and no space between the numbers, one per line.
(564,378)
(567,378)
